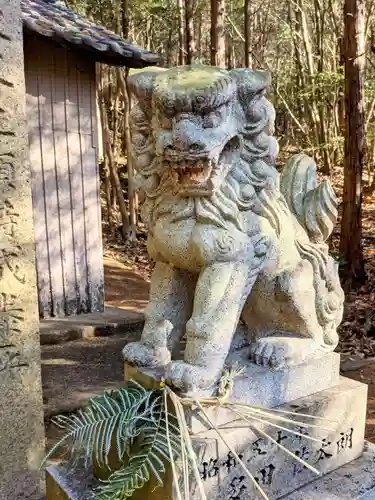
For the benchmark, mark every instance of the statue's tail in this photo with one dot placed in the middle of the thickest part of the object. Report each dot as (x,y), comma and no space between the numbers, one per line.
(314,205)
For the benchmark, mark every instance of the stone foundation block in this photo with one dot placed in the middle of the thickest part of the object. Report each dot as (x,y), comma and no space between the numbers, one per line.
(341,437)
(353,481)
(341,441)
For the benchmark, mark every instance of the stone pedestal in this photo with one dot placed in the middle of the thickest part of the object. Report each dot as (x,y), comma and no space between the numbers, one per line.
(261,386)
(257,385)
(21,406)
(353,481)
(342,403)
(341,406)
(277,472)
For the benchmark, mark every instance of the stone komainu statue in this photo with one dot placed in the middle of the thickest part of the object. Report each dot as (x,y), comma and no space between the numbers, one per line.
(230,236)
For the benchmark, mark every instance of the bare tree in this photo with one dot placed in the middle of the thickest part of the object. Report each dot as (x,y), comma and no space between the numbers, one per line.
(123,83)
(218,33)
(181,33)
(189,31)
(247,14)
(113,174)
(351,224)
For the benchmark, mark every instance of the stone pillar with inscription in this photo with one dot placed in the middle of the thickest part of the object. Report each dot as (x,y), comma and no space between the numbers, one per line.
(21,406)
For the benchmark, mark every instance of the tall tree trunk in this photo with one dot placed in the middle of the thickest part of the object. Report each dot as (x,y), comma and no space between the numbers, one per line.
(229,51)
(198,31)
(299,72)
(189,31)
(321,104)
(181,33)
(218,33)
(351,224)
(301,18)
(113,170)
(106,82)
(169,49)
(148,33)
(310,101)
(108,192)
(247,43)
(125,18)
(341,103)
(123,82)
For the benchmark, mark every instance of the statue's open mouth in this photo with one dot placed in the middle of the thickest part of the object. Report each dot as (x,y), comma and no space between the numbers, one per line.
(194,172)
(198,175)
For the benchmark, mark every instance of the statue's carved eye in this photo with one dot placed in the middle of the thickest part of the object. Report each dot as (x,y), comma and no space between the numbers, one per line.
(211,120)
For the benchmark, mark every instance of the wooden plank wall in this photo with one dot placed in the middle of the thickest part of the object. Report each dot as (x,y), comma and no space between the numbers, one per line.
(62,123)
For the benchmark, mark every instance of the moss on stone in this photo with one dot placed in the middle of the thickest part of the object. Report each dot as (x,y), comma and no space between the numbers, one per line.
(185,78)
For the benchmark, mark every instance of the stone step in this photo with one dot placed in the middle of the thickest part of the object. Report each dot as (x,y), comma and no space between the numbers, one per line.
(84,326)
(73,372)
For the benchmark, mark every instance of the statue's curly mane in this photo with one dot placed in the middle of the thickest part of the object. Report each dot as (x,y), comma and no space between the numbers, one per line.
(252,182)
(254,169)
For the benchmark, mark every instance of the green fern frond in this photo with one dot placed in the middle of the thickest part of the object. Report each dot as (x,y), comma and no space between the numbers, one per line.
(117,416)
(148,457)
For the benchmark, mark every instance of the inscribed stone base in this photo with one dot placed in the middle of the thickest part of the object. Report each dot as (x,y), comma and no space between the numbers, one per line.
(341,441)
(262,386)
(353,481)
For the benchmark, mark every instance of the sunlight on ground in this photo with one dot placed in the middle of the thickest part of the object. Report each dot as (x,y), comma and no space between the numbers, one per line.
(61,361)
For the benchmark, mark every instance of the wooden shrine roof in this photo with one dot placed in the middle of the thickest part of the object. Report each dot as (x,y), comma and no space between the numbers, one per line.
(52,19)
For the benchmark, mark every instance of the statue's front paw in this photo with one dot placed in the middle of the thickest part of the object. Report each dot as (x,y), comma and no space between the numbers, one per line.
(282,352)
(139,354)
(189,378)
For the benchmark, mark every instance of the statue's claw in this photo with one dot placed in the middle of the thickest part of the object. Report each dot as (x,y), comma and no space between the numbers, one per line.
(282,352)
(189,378)
(140,354)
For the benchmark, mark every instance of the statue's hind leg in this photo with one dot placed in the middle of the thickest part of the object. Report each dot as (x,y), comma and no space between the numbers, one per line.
(298,335)
(170,306)
(221,291)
